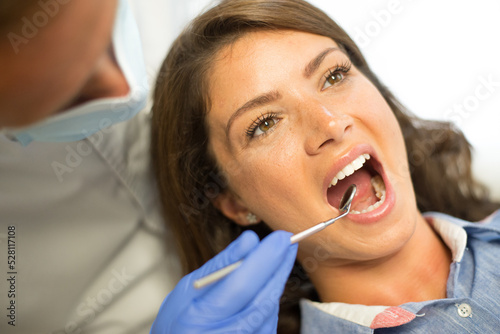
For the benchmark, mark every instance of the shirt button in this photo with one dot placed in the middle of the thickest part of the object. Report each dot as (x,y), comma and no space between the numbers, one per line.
(464,310)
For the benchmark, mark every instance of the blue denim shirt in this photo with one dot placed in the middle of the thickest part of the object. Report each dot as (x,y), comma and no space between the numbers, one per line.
(473,291)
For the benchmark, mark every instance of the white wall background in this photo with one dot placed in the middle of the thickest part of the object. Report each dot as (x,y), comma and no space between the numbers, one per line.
(436,56)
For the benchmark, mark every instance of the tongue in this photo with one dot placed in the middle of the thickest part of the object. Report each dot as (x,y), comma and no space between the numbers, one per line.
(365,196)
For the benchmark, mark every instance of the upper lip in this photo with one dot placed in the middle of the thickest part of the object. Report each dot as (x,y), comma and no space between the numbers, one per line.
(344,160)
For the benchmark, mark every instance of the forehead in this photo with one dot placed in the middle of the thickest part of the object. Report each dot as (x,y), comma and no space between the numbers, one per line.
(263,47)
(254,62)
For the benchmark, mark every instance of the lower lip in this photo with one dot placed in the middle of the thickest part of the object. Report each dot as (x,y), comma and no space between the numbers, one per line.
(382,211)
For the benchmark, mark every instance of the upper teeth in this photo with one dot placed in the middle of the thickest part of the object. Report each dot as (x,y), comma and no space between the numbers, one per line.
(350,168)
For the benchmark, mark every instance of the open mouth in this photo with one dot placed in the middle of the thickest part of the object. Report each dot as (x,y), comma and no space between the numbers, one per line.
(371,190)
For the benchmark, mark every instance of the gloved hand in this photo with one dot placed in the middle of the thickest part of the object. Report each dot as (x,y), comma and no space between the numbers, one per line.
(245,301)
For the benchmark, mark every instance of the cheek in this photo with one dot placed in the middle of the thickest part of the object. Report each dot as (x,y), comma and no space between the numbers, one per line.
(376,114)
(393,148)
(374,109)
(265,170)
(268,178)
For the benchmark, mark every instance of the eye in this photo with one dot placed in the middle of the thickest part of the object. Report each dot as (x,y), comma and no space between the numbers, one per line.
(334,78)
(337,75)
(262,125)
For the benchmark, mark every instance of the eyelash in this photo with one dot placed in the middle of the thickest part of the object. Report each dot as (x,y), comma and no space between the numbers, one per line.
(344,68)
(250,132)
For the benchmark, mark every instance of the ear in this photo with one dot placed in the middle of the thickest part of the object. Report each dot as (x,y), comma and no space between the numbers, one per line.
(233,208)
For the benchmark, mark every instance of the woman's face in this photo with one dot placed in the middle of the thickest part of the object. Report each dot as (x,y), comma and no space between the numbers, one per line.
(289,115)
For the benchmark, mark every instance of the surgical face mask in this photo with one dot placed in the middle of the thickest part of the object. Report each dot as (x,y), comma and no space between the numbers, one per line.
(86,119)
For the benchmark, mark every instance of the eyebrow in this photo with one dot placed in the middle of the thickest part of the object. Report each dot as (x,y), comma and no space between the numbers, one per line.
(314,64)
(253,103)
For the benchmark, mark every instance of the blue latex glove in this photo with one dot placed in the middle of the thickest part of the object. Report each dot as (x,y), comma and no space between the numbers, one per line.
(245,301)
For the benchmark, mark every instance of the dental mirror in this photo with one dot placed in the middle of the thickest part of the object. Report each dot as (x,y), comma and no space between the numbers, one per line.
(345,202)
(344,207)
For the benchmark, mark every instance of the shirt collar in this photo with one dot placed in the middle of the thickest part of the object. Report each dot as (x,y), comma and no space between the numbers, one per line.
(454,236)
(359,314)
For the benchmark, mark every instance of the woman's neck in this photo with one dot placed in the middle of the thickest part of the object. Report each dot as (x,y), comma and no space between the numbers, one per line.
(418,272)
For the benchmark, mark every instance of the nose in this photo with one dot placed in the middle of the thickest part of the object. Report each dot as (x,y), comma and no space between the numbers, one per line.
(325,127)
(107,80)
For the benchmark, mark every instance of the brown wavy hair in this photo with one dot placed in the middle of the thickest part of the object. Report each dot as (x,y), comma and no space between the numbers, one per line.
(188,179)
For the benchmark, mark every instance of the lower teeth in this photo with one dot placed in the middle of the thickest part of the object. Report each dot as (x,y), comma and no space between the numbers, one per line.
(379,187)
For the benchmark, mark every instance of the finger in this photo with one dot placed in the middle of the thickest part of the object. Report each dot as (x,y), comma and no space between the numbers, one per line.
(184,292)
(236,251)
(256,270)
(234,292)
(259,316)
(262,311)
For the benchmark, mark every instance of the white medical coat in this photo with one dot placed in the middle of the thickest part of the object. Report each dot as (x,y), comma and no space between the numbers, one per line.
(91,253)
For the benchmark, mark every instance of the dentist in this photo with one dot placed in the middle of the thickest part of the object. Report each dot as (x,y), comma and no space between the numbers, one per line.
(83,244)
(80,232)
